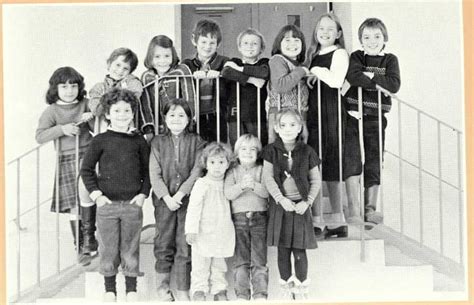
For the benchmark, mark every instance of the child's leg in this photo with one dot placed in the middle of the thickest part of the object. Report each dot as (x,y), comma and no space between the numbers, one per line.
(284,263)
(258,253)
(301,264)
(200,273)
(131,220)
(242,256)
(108,224)
(88,215)
(352,190)
(183,254)
(217,278)
(334,188)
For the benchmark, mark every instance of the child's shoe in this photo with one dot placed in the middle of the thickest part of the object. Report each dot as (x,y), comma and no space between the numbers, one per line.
(300,289)
(110,296)
(260,297)
(221,296)
(90,244)
(132,296)
(286,288)
(163,287)
(199,296)
(340,232)
(182,295)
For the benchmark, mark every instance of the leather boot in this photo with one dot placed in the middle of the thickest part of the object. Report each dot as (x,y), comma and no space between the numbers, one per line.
(88,225)
(163,287)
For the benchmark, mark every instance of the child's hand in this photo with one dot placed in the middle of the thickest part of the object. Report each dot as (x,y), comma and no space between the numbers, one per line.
(257,82)
(287,204)
(149,137)
(305,70)
(191,238)
(86,116)
(301,207)
(102,200)
(171,203)
(369,74)
(213,74)
(199,74)
(247,182)
(178,197)
(138,200)
(70,129)
(234,66)
(310,80)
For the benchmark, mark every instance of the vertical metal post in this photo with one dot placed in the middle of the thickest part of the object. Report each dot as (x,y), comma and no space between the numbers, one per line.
(400,167)
(420,177)
(379,98)
(460,202)
(38,243)
(320,150)
(339,144)
(440,187)
(299,97)
(197,100)
(58,240)
(177,87)
(18,257)
(362,157)
(218,110)
(76,176)
(237,87)
(259,115)
(157,105)
(279,102)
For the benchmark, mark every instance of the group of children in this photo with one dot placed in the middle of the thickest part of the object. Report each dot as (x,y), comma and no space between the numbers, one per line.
(210,202)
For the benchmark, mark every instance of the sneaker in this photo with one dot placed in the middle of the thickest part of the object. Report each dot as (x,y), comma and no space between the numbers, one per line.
(374,217)
(199,296)
(110,296)
(132,296)
(259,297)
(221,296)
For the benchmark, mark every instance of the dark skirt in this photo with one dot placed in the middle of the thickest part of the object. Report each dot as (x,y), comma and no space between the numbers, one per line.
(289,229)
(67,186)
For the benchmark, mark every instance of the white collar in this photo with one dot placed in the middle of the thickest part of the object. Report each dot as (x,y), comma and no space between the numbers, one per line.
(59,102)
(129,131)
(382,53)
(328,49)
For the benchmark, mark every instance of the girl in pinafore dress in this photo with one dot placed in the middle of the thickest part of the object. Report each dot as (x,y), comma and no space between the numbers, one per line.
(291,175)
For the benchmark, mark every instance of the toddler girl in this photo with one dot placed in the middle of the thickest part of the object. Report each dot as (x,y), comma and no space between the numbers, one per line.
(173,172)
(243,186)
(328,61)
(162,61)
(66,118)
(286,73)
(291,175)
(209,228)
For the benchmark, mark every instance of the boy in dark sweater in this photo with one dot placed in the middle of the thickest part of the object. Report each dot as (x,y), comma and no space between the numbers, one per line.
(249,73)
(206,67)
(119,190)
(370,69)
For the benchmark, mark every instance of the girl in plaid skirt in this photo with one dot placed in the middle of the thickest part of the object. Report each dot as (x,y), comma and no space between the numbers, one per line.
(66,117)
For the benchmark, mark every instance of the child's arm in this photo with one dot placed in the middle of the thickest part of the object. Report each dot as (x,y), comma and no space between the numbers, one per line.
(258,187)
(232,188)
(391,79)
(88,172)
(273,188)
(145,107)
(132,83)
(94,102)
(281,78)
(193,214)
(187,87)
(335,75)
(49,130)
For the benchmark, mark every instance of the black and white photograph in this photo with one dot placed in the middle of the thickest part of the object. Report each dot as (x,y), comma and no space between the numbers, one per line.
(265,151)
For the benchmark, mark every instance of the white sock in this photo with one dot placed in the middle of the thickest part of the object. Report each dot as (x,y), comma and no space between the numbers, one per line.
(87,204)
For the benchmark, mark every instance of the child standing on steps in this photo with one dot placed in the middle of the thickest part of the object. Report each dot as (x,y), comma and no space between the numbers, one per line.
(67,117)
(119,190)
(173,171)
(328,61)
(249,201)
(291,176)
(369,68)
(209,228)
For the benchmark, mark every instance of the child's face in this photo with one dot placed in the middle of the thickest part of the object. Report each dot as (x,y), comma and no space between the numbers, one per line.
(216,167)
(247,154)
(327,33)
(68,92)
(118,68)
(176,120)
(372,40)
(288,128)
(162,59)
(291,46)
(120,116)
(206,46)
(250,46)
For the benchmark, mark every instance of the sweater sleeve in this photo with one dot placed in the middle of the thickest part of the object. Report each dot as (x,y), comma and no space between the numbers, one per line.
(196,171)
(259,188)
(144,160)
(88,173)
(48,129)
(282,80)
(270,182)
(234,75)
(260,70)
(391,79)
(314,184)
(146,101)
(355,73)
(193,214)
(232,188)
(156,178)
(335,75)
(130,82)
(187,88)
(94,102)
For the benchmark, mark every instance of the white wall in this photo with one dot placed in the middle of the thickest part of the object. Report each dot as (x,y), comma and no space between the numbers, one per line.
(40,38)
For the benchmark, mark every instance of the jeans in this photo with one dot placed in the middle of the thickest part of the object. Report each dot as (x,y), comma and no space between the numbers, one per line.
(170,247)
(250,258)
(119,226)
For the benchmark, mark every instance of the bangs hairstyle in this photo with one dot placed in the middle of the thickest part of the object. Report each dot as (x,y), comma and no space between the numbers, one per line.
(164,42)
(374,23)
(129,57)
(64,75)
(296,33)
(216,149)
(250,139)
(251,31)
(171,105)
(289,111)
(316,46)
(115,95)
(205,27)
